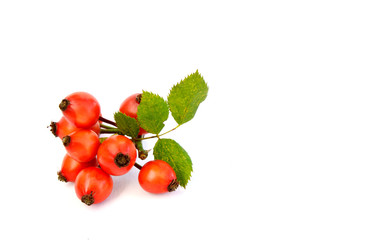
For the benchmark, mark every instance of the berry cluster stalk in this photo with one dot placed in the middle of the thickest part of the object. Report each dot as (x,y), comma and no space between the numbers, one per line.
(142,153)
(112,130)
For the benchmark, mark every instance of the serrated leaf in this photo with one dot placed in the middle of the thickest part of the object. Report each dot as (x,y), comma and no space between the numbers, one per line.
(127,125)
(152,112)
(171,152)
(185,97)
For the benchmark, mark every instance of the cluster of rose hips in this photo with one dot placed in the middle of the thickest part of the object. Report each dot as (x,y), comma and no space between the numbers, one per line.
(90,161)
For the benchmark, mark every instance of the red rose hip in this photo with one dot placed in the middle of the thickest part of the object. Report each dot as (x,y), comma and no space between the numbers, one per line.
(81,108)
(71,167)
(82,145)
(117,155)
(64,127)
(158,177)
(93,185)
(129,107)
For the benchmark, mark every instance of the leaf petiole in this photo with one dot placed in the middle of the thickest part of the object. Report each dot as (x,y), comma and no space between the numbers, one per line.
(157,135)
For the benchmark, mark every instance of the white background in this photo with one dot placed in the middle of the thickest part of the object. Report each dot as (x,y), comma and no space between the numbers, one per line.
(279,147)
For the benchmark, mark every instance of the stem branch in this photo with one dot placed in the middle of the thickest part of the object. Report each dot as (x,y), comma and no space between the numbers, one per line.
(114,130)
(138,166)
(142,153)
(107,121)
(157,136)
(106,126)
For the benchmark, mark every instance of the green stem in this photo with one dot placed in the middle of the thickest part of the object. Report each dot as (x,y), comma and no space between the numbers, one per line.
(115,130)
(144,138)
(170,130)
(106,126)
(142,153)
(157,136)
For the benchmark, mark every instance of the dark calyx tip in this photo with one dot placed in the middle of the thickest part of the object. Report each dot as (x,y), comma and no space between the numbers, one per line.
(88,199)
(66,141)
(53,128)
(142,154)
(64,104)
(138,98)
(122,160)
(173,185)
(61,177)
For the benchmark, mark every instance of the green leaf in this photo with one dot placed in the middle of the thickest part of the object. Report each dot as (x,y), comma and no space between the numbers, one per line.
(171,152)
(152,112)
(127,125)
(185,97)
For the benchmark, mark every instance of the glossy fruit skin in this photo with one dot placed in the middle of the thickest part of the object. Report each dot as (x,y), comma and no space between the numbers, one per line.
(81,108)
(82,145)
(129,107)
(107,153)
(155,176)
(93,181)
(71,167)
(64,127)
